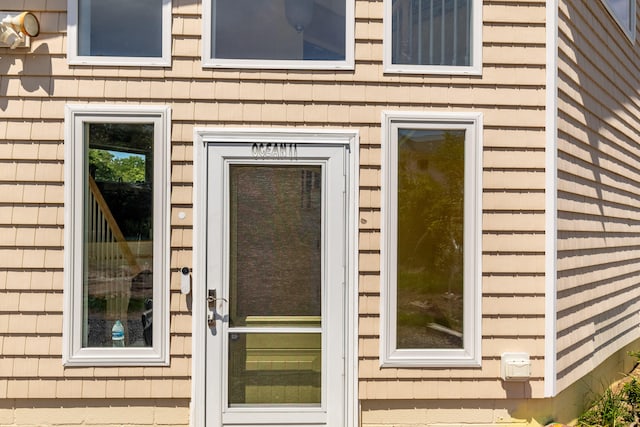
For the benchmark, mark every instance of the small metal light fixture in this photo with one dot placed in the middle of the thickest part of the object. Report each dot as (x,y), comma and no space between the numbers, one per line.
(299,13)
(16,28)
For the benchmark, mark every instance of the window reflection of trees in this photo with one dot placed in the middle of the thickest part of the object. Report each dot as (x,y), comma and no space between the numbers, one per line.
(430,238)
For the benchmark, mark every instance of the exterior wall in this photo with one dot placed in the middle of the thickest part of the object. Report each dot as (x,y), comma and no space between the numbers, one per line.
(94,412)
(563,408)
(35,86)
(598,161)
(510,93)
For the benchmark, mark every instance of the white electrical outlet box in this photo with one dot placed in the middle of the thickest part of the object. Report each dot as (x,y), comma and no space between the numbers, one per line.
(515,366)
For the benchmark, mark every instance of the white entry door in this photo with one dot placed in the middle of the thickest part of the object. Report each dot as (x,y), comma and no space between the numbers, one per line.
(276,281)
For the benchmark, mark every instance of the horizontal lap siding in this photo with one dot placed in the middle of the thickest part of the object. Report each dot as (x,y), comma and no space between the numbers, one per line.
(34,89)
(510,93)
(598,190)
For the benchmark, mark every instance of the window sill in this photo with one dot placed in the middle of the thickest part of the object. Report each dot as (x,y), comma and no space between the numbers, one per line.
(278,64)
(433,69)
(425,358)
(117,357)
(114,61)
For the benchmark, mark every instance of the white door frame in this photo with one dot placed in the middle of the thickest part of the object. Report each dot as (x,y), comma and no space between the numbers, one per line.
(203,137)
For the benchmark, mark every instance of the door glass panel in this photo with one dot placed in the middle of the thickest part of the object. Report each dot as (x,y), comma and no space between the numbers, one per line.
(275,246)
(275,369)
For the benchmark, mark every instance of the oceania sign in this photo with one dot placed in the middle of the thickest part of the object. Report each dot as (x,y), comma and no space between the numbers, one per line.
(275,150)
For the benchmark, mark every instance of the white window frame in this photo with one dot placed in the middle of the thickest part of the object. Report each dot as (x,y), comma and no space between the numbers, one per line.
(475,68)
(631,31)
(470,354)
(347,64)
(75,153)
(75,59)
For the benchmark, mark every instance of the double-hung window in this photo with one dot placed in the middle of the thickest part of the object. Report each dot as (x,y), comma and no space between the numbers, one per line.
(431,239)
(119,32)
(624,13)
(116,231)
(433,36)
(302,34)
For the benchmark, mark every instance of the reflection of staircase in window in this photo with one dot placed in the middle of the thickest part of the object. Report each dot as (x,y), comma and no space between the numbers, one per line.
(111,250)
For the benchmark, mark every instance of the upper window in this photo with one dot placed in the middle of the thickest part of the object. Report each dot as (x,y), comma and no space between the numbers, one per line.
(431,247)
(116,286)
(119,32)
(624,12)
(312,34)
(433,36)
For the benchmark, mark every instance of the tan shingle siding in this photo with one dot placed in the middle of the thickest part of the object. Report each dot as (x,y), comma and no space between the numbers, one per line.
(90,412)
(513,226)
(510,93)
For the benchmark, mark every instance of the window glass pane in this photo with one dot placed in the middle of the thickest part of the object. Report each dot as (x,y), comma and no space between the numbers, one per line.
(275,214)
(622,10)
(130,28)
(275,369)
(278,29)
(118,227)
(431,32)
(430,238)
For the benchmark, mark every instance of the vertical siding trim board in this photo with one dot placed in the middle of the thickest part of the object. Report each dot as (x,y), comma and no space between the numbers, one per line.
(551,186)
(199,262)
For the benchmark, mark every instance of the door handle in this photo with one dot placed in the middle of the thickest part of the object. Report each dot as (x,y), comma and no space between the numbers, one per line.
(212,300)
